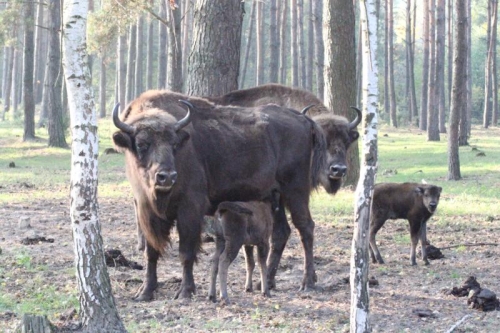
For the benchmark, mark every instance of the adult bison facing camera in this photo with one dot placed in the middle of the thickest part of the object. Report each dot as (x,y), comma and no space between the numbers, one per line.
(412,201)
(180,170)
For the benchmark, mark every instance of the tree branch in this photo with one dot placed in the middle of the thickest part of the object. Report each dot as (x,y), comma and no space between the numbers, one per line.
(468,245)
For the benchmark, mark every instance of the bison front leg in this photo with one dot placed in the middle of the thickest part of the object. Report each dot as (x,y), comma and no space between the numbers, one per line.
(145,292)
(189,230)
(423,242)
(281,232)
(263,252)
(415,234)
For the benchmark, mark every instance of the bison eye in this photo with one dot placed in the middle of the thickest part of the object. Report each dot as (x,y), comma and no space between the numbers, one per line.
(142,148)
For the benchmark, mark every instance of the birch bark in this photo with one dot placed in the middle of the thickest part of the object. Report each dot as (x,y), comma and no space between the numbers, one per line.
(97,306)
(359,252)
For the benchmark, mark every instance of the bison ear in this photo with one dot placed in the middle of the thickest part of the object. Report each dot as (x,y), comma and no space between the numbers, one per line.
(439,188)
(353,135)
(419,190)
(122,140)
(182,136)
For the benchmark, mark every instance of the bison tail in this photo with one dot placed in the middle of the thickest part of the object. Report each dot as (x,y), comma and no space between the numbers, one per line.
(318,160)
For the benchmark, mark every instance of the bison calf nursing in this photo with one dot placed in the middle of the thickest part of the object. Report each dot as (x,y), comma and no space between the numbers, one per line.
(412,201)
(238,224)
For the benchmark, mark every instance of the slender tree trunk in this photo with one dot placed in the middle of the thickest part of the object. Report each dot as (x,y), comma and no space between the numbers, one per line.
(16,80)
(294,44)
(450,50)
(274,43)
(494,80)
(7,84)
(390,58)
(301,44)
(174,60)
(425,67)
(186,35)
(440,64)
(162,48)
(310,49)
(40,57)
(97,305)
(360,300)
(130,92)
(488,70)
(248,45)
(149,55)
(29,100)
(121,68)
(459,88)
(139,58)
(216,40)
(340,70)
(387,102)
(55,77)
(432,103)
(319,49)
(259,25)
(285,44)
(102,87)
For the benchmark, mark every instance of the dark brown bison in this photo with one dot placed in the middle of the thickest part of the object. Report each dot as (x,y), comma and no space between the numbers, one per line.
(339,134)
(238,224)
(181,169)
(412,201)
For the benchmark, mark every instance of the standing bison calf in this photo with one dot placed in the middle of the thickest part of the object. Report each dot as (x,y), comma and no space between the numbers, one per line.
(412,201)
(238,224)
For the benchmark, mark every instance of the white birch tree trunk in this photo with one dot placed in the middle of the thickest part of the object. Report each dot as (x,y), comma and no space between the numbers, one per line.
(360,313)
(97,306)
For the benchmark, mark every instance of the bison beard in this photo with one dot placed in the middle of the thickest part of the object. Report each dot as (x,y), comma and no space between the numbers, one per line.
(181,173)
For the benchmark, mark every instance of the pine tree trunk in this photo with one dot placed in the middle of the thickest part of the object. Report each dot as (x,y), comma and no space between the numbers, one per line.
(54,76)
(285,44)
(186,35)
(40,57)
(425,67)
(130,92)
(440,65)
(259,25)
(29,101)
(274,43)
(7,84)
(174,59)
(301,44)
(150,54)
(340,71)
(98,309)
(216,40)
(102,87)
(121,68)
(248,46)
(459,88)
(387,102)
(139,58)
(294,43)
(488,70)
(390,58)
(16,80)
(310,50)
(162,47)
(360,300)
(319,49)
(494,76)
(432,105)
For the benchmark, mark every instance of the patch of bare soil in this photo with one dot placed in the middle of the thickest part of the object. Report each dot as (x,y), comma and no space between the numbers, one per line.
(406,298)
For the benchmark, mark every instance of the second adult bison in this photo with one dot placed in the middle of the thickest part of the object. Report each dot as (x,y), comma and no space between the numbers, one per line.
(412,201)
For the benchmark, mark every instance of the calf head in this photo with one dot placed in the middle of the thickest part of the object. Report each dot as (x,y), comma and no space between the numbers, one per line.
(150,141)
(339,134)
(430,196)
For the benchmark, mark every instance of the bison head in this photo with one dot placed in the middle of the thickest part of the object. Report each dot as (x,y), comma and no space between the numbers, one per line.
(339,134)
(430,196)
(150,141)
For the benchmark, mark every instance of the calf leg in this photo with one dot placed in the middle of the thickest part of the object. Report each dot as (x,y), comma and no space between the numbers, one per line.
(263,251)
(415,235)
(423,242)
(281,232)
(219,247)
(375,226)
(226,258)
(145,292)
(250,262)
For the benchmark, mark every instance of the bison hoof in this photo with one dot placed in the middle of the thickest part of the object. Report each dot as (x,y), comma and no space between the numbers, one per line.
(266,294)
(414,264)
(249,289)
(212,298)
(225,301)
(270,283)
(143,297)
(184,293)
(426,262)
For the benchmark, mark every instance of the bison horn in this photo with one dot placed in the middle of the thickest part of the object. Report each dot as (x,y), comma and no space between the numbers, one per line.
(304,111)
(120,124)
(356,120)
(187,119)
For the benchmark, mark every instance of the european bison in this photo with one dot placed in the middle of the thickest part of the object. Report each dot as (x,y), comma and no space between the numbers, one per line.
(238,224)
(412,201)
(339,134)
(181,170)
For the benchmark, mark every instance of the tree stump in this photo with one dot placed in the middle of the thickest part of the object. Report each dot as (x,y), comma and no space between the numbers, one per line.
(35,324)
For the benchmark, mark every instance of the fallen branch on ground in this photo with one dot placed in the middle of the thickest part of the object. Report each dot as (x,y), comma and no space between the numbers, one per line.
(468,245)
(457,324)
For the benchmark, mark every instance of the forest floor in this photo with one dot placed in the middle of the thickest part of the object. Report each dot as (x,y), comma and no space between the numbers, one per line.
(43,274)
